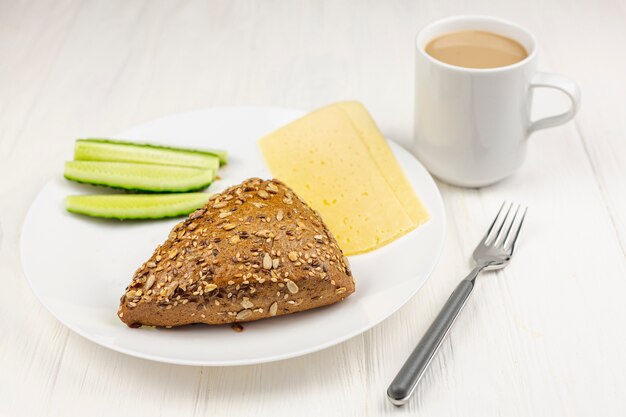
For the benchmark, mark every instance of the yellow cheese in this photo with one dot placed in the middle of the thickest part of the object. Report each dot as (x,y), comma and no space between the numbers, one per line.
(331,164)
(385,160)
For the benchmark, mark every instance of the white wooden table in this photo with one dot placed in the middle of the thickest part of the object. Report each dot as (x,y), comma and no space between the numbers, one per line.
(545,337)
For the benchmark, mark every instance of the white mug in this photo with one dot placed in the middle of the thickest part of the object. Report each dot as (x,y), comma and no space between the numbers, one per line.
(472,125)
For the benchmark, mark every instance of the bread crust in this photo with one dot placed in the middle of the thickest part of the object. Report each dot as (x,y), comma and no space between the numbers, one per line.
(254,251)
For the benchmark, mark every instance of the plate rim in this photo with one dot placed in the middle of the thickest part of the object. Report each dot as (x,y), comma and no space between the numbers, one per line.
(252,361)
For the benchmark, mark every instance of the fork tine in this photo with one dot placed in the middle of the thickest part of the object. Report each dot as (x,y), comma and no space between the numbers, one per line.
(499,232)
(515,235)
(495,220)
(502,238)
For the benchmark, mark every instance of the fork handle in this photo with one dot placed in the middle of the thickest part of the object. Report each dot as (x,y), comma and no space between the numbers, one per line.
(409,375)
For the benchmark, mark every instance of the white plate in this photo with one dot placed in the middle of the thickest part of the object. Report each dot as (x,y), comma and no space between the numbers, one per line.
(78,267)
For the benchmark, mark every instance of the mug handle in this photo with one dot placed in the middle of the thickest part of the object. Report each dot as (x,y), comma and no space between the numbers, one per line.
(561,83)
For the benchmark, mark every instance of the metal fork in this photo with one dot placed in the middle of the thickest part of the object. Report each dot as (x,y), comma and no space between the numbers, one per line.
(493,252)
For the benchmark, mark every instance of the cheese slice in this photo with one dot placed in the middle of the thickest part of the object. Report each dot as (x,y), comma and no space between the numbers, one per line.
(334,166)
(385,160)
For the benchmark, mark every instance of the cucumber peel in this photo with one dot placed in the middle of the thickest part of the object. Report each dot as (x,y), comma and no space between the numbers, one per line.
(136,206)
(139,177)
(88,149)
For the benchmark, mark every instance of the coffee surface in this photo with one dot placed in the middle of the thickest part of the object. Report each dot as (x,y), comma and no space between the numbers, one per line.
(476,49)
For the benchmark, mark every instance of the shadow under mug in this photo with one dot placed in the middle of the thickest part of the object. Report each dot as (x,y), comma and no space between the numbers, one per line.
(472,125)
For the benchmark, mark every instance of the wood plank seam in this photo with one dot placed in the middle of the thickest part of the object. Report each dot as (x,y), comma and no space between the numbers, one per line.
(601,189)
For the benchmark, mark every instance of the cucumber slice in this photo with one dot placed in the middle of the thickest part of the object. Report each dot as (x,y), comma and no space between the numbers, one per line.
(146,153)
(141,177)
(110,152)
(136,206)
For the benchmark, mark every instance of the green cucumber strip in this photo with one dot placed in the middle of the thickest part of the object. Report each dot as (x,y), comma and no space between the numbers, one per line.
(140,177)
(136,206)
(113,152)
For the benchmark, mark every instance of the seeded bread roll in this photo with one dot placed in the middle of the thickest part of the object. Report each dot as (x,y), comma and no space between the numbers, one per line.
(255,250)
